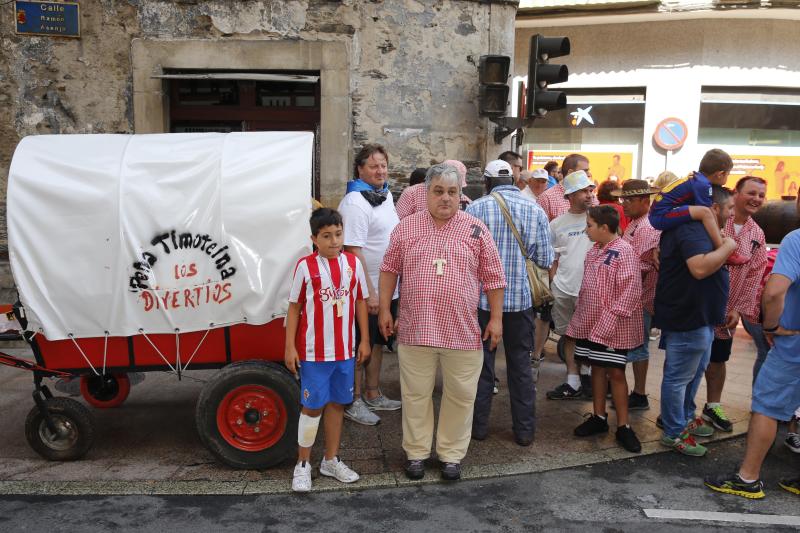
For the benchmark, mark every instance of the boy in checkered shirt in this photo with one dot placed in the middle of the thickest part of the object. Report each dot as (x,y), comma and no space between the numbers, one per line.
(328,294)
(608,321)
(689,198)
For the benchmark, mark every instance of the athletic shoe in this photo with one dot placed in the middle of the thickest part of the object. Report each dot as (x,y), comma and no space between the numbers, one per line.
(591,426)
(793,442)
(496,388)
(792,485)
(450,471)
(415,468)
(564,392)
(301,482)
(382,403)
(684,444)
(337,469)
(586,386)
(659,422)
(698,428)
(628,439)
(638,402)
(359,413)
(717,417)
(733,484)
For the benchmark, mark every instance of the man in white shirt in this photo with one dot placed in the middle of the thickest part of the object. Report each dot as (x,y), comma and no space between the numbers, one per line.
(535,183)
(570,242)
(369,218)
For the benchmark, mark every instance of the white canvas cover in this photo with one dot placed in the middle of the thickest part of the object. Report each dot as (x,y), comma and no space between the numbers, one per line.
(119,233)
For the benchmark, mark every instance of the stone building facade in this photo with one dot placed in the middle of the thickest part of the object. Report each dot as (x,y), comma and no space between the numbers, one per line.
(399,72)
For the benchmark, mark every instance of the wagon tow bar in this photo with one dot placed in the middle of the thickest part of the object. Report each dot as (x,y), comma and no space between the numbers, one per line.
(40,392)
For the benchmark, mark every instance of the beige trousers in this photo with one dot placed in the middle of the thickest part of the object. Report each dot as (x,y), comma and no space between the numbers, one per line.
(460,372)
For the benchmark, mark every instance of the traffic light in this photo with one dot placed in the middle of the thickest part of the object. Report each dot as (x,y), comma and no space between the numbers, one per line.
(493,78)
(541,74)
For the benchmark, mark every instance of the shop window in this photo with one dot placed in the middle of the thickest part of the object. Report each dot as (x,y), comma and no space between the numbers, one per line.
(286,94)
(605,124)
(750,116)
(207,92)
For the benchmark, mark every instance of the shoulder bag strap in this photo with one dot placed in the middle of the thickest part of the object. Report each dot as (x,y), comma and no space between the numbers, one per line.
(504,209)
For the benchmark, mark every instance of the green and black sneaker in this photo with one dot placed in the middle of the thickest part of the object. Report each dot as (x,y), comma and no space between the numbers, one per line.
(733,484)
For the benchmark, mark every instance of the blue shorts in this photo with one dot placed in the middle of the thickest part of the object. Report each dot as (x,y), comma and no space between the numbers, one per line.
(327,382)
(642,353)
(776,392)
(665,219)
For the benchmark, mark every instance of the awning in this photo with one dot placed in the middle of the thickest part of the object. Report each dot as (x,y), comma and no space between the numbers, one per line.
(257,76)
(552,5)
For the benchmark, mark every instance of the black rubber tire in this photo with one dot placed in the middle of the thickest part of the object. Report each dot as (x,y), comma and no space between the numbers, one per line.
(78,420)
(105,392)
(262,373)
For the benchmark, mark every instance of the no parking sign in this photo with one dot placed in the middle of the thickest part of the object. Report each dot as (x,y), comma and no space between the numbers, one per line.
(670,134)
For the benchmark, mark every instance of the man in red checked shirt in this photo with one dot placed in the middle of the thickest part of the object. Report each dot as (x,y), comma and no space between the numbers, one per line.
(415,197)
(445,257)
(643,237)
(552,200)
(743,299)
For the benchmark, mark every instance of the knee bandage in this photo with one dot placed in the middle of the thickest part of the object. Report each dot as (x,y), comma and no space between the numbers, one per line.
(307,430)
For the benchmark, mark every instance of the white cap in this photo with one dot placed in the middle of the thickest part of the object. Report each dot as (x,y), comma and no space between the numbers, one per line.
(540,174)
(576,181)
(498,169)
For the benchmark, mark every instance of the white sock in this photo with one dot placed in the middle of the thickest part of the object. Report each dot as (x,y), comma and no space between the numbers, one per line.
(585,370)
(574,381)
(712,405)
(747,480)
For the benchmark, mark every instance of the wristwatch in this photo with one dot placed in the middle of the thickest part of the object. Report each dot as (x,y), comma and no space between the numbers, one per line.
(771,330)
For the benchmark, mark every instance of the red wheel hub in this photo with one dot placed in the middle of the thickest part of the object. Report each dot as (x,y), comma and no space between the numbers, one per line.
(251,418)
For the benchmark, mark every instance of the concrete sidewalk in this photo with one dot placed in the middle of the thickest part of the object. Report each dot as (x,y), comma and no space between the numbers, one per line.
(149,445)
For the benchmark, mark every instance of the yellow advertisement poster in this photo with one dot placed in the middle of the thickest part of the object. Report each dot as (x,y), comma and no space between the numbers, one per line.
(603,165)
(781,172)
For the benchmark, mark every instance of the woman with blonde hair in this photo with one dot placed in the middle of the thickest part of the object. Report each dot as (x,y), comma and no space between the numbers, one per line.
(664,179)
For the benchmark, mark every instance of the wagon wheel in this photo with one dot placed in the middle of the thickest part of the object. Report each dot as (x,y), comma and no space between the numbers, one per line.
(247,415)
(74,430)
(105,391)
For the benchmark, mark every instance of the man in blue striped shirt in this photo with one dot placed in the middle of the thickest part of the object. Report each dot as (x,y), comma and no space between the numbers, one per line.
(532,225)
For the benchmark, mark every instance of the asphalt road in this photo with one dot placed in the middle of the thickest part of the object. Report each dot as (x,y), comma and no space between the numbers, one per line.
(604,497)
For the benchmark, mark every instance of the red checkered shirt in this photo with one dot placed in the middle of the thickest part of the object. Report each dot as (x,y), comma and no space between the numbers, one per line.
(745,280)
(644,239)
(553,202)
(609,306)
(414,199)
(441,311)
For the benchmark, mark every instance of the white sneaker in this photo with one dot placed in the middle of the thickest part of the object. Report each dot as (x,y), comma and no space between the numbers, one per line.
(360,413)
(793,442)
(339,470)
(382,403)
(301,482)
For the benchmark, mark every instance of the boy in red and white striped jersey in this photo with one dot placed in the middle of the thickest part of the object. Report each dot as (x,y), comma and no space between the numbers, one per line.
(328,295)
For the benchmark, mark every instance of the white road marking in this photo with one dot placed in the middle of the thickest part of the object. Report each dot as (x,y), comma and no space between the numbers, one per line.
(775,520)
